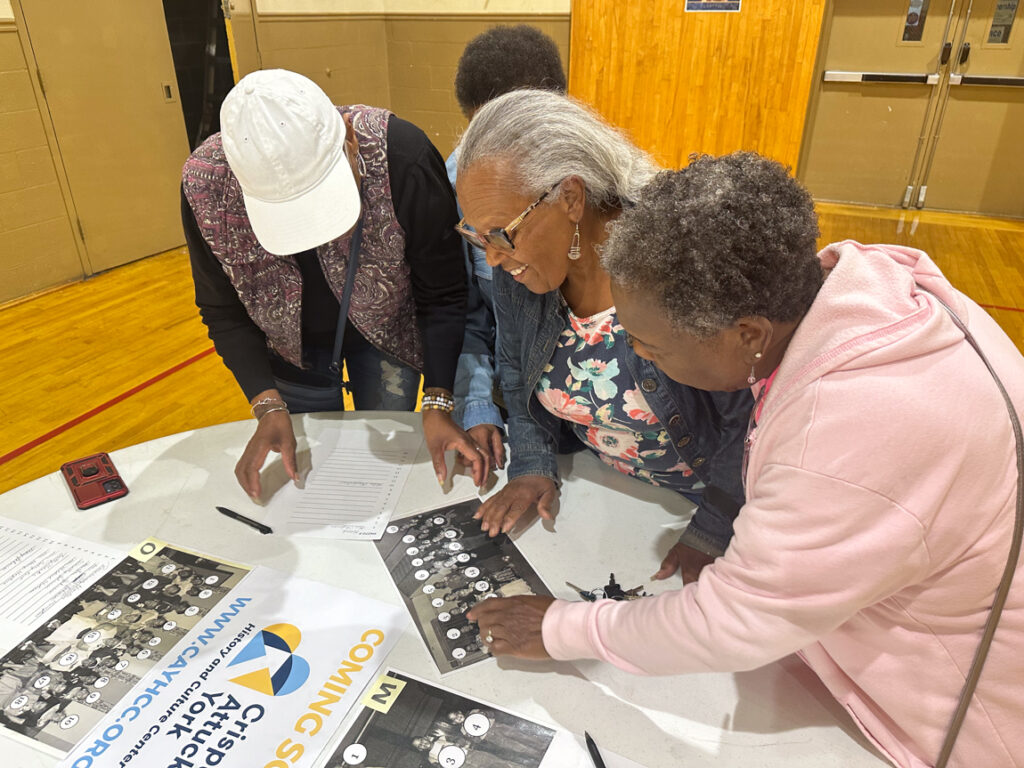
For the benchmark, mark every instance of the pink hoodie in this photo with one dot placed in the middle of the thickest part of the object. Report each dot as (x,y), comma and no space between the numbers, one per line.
(880,505)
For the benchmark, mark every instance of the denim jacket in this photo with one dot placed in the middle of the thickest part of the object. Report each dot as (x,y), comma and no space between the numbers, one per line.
(475,375)
(707,428)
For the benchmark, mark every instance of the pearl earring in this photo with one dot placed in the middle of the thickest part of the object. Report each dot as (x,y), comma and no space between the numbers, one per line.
(574,247)
(752,378)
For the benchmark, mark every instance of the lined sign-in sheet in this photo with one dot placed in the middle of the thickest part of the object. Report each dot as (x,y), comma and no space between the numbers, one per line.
(352,491)
(40,570)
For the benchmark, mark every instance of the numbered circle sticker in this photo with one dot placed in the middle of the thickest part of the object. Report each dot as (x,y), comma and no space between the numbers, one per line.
(412,551)
(472,572)
(429,589)
(477,724)
(459,653)
(169,568)
(169,626)
(437,602)
(150,583)
(482,586)
(422,575)
(101,682)
(41,682)
(211,580)
(408,539)
(451,757)
(69,722)
(416,562)
(154,641)
(205,594)
(438,521)
(122,664)
(93,697)
(18,703)
(354,754)
(68,659)
(451,533)
(145,653)
(133,597)
(455,546)
(444,616)
(453,634)
(463,557)
(192,610)
(392,529)
(115,613)
(91,636)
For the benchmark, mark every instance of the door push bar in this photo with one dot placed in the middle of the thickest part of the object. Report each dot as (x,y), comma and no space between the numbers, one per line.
(1003,80)
(840,76)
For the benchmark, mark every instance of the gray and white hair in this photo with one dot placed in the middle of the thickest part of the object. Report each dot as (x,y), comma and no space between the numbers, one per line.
(545,137)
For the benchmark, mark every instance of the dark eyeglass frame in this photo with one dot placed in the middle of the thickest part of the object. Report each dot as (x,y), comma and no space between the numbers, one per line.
(500,238)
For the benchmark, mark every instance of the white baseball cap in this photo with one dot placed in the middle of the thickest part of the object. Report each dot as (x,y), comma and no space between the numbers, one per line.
(285,143)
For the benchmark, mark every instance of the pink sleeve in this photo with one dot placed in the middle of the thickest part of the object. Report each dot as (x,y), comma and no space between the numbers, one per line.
(802,562)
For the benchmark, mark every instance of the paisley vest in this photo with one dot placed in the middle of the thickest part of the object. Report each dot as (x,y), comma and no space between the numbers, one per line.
(270,287)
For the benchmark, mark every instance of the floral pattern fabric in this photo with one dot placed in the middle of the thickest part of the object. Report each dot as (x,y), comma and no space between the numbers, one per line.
(584,384)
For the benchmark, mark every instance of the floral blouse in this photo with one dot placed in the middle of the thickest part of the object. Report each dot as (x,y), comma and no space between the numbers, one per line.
(583,384)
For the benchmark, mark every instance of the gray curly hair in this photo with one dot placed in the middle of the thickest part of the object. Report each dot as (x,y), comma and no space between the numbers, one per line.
(546,137)
(724,238)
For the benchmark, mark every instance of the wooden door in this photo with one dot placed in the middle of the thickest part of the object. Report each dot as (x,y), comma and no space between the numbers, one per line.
(108,80)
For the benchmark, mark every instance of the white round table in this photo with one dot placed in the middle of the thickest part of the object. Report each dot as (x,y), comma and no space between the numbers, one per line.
(780,715)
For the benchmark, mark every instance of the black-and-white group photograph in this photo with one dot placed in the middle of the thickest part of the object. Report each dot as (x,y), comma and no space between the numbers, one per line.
(67,674)
(413,724)
(443,564)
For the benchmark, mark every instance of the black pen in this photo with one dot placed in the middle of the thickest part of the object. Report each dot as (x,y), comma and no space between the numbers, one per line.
(247,520)
(594,754)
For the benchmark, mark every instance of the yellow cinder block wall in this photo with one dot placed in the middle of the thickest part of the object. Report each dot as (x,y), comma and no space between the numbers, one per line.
(398,54)
(37,247)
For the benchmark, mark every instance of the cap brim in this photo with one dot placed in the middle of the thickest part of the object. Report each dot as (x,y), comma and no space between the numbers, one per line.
(322,214)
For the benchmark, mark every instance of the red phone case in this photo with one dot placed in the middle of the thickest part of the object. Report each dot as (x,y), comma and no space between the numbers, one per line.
(93,480)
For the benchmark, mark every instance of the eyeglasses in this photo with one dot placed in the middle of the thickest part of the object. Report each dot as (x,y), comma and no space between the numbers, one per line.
(500,238)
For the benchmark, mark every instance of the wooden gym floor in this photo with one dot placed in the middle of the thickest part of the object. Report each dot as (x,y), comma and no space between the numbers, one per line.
(122,357)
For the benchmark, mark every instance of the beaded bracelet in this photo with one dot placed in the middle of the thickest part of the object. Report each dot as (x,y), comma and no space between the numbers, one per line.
(438,402)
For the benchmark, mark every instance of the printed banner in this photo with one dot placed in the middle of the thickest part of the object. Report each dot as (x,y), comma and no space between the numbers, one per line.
(263,681)
(712,5)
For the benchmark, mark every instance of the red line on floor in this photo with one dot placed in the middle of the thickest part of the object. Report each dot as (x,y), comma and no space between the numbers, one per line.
(1005,309)
(102,407)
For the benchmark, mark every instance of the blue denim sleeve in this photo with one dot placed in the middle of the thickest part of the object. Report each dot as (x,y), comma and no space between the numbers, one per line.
(532,449)
(711,527)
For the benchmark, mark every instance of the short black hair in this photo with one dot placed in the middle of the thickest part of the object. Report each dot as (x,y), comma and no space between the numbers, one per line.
(724,238)
(504,59)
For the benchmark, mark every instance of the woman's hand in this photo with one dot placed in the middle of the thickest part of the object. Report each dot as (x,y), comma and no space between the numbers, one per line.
(274,432)
(500,512)
(489,439)
(511,626)
(443,434)
(686,559)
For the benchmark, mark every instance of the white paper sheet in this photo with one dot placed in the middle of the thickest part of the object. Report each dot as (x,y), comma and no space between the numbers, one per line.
(41,570)
(352,491)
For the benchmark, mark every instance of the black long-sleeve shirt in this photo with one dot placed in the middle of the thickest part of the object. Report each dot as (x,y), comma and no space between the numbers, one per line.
(425,207)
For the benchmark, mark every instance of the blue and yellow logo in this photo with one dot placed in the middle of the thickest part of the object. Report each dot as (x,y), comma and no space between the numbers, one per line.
(273,641)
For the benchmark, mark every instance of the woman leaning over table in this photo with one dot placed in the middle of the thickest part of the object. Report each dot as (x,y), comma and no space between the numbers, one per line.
(540,178)
(881,481)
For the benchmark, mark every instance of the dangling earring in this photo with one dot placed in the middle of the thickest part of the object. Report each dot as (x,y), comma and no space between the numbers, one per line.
(752,378)
(574,247)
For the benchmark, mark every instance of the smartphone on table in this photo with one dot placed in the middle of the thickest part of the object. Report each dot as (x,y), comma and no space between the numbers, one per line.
(93,480)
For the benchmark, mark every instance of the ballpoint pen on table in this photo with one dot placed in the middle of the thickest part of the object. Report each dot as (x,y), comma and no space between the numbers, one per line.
(595,755)
(246,520)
